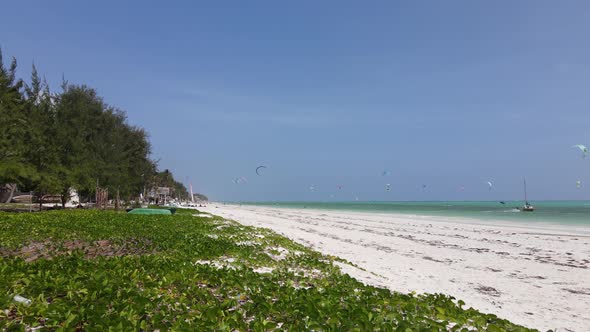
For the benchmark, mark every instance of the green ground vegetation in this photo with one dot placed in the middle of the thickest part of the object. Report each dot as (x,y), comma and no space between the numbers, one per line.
(99,270)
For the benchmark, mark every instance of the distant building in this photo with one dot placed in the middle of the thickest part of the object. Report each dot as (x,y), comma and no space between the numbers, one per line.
(160,194)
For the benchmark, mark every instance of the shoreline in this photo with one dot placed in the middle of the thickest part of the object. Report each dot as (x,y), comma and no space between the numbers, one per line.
(551,213)
(530,275)
(545,225)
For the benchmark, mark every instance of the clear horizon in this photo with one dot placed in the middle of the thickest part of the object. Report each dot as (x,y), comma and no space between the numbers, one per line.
(330,95)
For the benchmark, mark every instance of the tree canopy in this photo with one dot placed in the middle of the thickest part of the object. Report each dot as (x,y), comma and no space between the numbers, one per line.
(51,142)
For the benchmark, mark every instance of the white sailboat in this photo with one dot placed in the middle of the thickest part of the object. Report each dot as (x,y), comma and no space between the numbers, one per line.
(527,207)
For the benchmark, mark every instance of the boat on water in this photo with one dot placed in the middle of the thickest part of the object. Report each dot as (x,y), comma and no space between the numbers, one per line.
(527,207)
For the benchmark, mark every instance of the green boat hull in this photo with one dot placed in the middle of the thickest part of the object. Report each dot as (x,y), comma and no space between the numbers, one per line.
(150,211)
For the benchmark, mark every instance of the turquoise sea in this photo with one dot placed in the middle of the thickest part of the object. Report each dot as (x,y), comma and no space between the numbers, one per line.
(555,212)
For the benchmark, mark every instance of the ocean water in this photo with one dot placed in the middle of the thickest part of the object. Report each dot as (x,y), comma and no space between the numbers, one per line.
(576,213)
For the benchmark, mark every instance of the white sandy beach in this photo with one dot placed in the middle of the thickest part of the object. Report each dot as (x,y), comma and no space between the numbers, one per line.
(535,276)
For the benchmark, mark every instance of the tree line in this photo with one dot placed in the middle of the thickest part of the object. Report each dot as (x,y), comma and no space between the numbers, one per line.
(52,142)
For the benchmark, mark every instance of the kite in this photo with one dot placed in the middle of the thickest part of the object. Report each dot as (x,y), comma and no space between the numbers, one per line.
(240,180)
(258,169)
(386,173)
(490,185)
(312,187)
(582,148)
(388,187)
(578,184)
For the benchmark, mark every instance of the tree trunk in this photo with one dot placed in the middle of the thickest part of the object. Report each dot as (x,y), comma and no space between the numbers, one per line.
(65,196)
(12,190)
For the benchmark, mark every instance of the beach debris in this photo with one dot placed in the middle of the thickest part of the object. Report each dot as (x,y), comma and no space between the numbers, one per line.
(260,168)
(487,290)
(490,185)
(583,291)
(578,184)
(20,299)
(241,298)
(582,148)
(388,187)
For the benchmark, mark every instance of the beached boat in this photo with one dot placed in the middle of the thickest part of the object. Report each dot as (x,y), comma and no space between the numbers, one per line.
(527,207)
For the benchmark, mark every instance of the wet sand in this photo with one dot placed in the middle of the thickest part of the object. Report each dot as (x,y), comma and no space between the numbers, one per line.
(537,276)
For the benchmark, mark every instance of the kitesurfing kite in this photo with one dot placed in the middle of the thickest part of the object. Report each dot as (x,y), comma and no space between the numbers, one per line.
(423,187)
(258,169)
(490,185)
(582,148)
(578,184)
(386,173)
(312,187)
(240,180)
(462,188)
(388,187)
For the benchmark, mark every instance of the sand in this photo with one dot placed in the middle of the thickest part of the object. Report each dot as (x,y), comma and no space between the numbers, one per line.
(535,276)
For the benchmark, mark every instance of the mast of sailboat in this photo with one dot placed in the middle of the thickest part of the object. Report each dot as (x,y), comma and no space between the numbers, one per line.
(526,201)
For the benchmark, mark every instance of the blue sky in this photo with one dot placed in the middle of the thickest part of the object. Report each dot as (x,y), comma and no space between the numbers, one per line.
(333,92)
